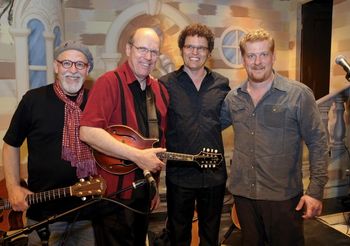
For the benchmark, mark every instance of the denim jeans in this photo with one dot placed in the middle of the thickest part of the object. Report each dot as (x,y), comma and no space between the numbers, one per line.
(67,234)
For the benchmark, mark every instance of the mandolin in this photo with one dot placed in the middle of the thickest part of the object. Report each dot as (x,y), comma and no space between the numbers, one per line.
(83,188)
(207,158)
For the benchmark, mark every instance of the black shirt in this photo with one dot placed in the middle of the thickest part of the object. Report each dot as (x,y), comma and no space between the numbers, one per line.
(194,124)
(39,118)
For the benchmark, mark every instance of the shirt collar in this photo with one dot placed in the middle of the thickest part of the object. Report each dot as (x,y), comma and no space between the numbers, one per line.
(277,84)
(181,71)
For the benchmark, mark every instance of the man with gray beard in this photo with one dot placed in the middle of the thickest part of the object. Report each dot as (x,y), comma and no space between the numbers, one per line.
(48,118)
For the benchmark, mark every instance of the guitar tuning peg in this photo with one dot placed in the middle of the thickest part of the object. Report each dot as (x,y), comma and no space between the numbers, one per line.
(83,198)
(81,180)
(216,151)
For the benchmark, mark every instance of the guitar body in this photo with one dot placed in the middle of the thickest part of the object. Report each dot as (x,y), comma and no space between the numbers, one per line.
(128,136)
(9,220)
(195,235)
(234,217)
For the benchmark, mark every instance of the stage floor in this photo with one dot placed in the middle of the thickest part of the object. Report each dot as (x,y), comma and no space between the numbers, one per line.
(316,232)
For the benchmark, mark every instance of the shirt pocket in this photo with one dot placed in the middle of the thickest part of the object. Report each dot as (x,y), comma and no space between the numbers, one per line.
(274,127)
(274,116)
(238,113)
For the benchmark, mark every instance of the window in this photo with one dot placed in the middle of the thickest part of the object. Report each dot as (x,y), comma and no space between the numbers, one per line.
(36,54)
(229,51)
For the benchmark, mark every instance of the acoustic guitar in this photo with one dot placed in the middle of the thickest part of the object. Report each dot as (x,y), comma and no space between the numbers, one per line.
(234,217)
(12,220)
(207,158)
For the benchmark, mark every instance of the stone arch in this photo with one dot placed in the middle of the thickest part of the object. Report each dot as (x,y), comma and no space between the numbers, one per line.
(50,14)
(111,56)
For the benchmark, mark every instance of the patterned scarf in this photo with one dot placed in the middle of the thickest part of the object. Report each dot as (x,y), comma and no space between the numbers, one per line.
(74,150)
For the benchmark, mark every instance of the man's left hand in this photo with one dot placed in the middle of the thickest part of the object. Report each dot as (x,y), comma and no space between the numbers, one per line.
(313,207)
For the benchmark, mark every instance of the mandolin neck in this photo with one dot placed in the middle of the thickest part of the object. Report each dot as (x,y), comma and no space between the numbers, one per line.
(175,156)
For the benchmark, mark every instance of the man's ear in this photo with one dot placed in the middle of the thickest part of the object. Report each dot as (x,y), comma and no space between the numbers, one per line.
(128,49)
(55,66)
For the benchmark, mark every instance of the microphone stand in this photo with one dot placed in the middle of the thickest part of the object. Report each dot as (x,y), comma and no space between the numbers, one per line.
(28,229)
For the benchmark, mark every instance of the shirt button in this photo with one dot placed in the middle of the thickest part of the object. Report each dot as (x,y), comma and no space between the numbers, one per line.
(253,114)
(253,185)
(252,133)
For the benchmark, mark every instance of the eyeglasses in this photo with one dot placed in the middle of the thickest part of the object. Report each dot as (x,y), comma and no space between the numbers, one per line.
(144,51)
(78,64)
(191,48)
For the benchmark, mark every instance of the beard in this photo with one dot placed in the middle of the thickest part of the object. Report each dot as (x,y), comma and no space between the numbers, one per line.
(259,74)
(70,87)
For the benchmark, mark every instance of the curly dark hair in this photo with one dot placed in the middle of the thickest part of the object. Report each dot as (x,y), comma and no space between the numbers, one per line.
(199,30)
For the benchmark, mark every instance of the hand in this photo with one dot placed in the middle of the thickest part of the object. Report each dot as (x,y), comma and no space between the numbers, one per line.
(313,207)
(17,198)
(147,159)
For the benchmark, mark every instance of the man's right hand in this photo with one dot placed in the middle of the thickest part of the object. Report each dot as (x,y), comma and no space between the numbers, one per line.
(147,159)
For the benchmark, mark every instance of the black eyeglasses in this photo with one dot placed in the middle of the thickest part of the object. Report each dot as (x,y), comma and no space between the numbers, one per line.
(78,64)
(144,51)
(191,48)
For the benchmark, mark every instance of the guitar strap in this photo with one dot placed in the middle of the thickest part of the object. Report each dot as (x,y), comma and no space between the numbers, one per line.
(153,130)
(122,99)
(151,114)
(124,122)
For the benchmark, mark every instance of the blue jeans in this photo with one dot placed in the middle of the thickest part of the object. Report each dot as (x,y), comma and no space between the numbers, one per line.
(63,233)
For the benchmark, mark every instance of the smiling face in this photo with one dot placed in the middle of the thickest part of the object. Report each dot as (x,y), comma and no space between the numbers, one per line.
(143,62)
(71,79)
(195,52)
(258,60)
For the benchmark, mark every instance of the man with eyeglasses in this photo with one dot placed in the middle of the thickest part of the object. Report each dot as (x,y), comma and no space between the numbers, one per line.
(119,98)
(196,94)
(48,118)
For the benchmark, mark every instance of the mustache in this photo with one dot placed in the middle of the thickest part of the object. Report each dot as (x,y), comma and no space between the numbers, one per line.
(75,75)
(257,67)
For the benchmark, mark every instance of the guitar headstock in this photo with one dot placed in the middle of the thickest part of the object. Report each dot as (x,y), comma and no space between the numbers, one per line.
(208,158)
(92,187)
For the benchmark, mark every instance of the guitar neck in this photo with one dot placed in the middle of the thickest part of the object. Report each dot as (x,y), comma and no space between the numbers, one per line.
(50,195)
(175,156)
(40,197)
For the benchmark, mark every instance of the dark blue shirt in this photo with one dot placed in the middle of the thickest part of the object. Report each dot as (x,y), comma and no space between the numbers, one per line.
(194,124)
